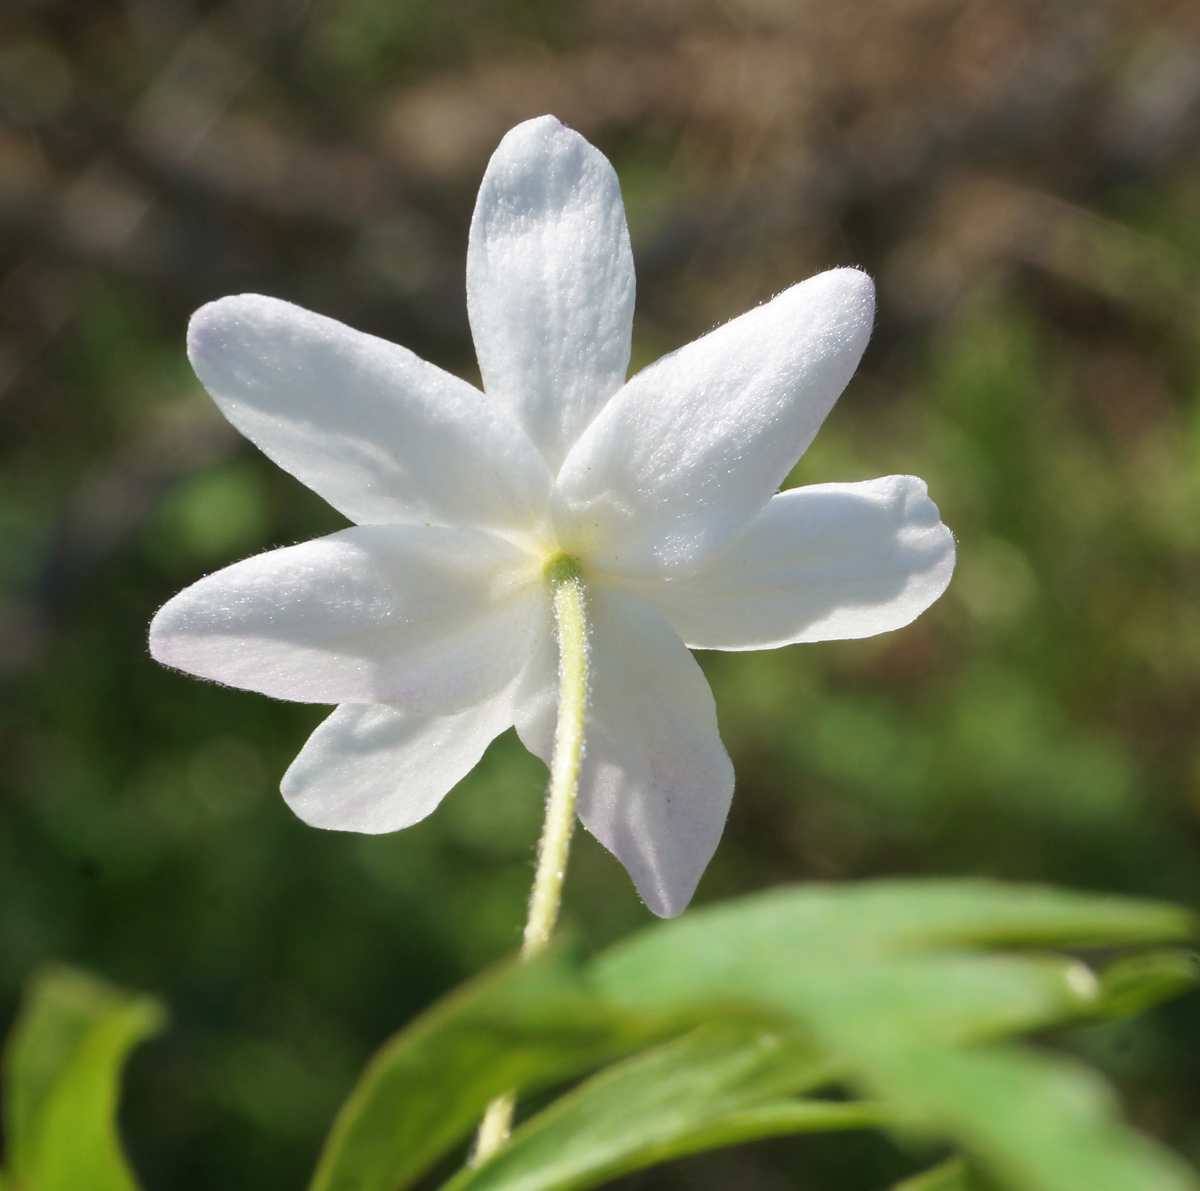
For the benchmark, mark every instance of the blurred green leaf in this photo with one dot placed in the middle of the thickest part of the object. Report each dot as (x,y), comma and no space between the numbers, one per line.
(1034,1122)
(519,1026)
(948,997)
(883,986)
(62,1069)
(1135,983)
(952,1175)
(880,977)
(904,942)
(758,944)
(717,1086)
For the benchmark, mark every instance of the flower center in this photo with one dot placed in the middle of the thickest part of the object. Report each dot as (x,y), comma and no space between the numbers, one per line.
(561,567)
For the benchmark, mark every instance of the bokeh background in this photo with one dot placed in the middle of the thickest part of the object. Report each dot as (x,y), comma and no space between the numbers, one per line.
(1022,177)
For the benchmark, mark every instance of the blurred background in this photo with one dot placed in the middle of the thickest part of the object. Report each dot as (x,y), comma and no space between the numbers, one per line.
(1022,177)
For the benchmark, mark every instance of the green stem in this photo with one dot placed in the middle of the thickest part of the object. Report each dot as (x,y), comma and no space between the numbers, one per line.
(555,843)
(553,848)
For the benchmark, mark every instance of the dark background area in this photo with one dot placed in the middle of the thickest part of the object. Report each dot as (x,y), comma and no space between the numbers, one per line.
(1022,179)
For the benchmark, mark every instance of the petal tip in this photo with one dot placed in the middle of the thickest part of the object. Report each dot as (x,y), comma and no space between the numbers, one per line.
(208,328)
(663,904)
(160,639)
(204,328)
(854,289)
(532,145)
(539,124)
(541,129)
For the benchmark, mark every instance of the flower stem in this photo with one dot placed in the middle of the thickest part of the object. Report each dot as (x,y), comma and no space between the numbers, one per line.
(571,622)
(555,843)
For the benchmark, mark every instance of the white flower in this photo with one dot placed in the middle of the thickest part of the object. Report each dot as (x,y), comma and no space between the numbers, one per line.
(429,620)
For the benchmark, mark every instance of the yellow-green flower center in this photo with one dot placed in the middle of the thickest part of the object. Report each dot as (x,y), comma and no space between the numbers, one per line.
(561,567)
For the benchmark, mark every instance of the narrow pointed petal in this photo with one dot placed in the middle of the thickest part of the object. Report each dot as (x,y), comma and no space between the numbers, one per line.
(382,435)
(656,781)
(433,620)
(680,462)
(823,563)
(376,768)
(550,282)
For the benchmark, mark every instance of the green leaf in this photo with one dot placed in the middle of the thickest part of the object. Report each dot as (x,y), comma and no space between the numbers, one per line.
(757,943)
(947,997)
(952,1175)
(884,987)
(1033,1122)
(879,977)
(719,1085)
(1135,983)
(62,1068)
(890,954)
(520,1026)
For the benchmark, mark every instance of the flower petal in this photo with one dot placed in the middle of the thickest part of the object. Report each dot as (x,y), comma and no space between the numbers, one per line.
(656,781)
(379,433)
(550,282)
(680,461)
(431,619)
(823,563)
(375,768)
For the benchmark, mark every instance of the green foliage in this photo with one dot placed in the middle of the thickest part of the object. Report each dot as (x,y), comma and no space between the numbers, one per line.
(1032,1122)
(881,976)
(62,1068)
(893,990)
(778,945)
(730,1025)
(720,1085)
(1135,983)
(522,1025)
(952,1175)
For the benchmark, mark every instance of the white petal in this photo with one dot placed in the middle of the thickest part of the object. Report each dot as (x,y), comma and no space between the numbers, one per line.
(377,768)
(679,462)
(550,282)
(824,563)
(535,694)
(379,433)
(656,781)
(431,619)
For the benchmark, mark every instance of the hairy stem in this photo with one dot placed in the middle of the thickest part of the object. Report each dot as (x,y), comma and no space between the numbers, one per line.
(555,843)
(554,846)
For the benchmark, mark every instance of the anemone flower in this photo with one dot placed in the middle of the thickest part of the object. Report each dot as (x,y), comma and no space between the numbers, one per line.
(431,621)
